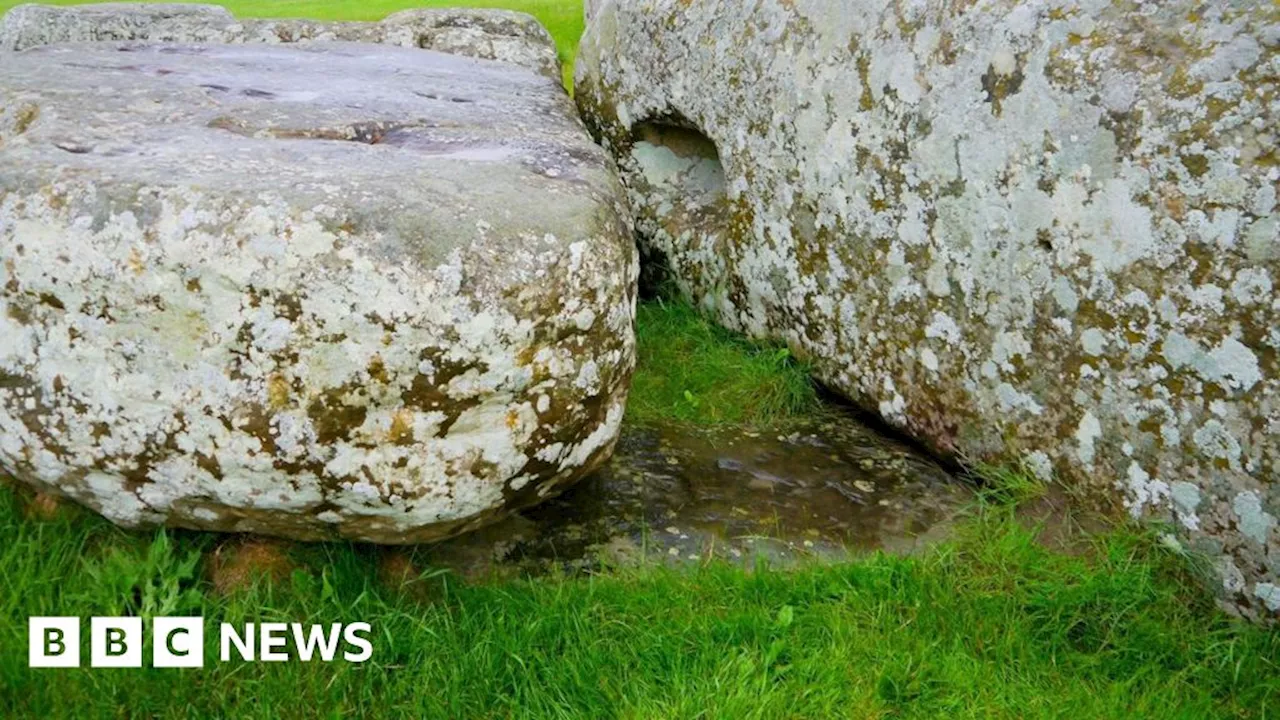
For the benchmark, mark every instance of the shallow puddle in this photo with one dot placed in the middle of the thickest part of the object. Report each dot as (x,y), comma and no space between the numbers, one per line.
(819,488)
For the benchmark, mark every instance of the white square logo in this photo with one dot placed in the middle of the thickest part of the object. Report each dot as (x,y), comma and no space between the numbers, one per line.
(53,642)
(115,642)
(177,642)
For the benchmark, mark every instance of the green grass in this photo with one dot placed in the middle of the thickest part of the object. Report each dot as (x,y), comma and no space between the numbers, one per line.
(562,18)
(690,370)
(991,625)
(1005,485)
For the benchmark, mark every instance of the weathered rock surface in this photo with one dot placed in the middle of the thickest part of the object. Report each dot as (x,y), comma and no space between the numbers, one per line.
(334,290)
(511,37)
(814,489)
(1035,232)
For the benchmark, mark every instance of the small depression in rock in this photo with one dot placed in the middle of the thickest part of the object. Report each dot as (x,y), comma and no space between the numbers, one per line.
(683,161)
(680,167)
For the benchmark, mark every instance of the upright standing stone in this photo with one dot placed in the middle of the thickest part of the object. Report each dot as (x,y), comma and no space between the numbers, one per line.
(1040,233)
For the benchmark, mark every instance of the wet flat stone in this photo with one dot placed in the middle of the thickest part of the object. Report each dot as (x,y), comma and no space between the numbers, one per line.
(820,489)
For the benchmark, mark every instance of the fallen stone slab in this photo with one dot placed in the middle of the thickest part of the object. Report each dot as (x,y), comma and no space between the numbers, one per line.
(512,37)
(333,290)
(1041,234)
(821,489)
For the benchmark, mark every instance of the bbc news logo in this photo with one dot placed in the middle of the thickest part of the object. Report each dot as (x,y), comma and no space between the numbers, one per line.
(178,642)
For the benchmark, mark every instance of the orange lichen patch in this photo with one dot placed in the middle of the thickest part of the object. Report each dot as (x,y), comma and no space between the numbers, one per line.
(278,391)
(239,563)
(396,568)
(43,506)
(136,263)
(1174,201)
(401,427)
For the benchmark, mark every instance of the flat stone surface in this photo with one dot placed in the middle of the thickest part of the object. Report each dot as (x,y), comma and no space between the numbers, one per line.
(323,290)
(816,490)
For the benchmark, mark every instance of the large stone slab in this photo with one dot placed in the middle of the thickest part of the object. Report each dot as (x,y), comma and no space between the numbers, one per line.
(504,35)
(1041,233)
(332,290)
(817,489)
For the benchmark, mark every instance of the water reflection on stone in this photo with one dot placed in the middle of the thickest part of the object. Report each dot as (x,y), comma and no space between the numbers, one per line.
(816,489)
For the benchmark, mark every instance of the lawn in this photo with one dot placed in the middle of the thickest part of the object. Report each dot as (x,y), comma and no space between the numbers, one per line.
(990,625)
(562,18)
(1000,621)
(691,371)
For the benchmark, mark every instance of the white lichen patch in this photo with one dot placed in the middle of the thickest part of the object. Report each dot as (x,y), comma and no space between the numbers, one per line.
(289,336)
(1008,226)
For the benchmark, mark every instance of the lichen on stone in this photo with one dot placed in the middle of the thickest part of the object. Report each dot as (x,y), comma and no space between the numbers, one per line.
(221,311)
(1008,227)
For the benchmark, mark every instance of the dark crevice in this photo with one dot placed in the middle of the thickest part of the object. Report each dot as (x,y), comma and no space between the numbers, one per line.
(833,399)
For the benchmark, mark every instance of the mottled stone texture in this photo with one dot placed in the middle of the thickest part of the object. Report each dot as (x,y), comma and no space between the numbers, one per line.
(1033,232)
(511,37)
(332,290)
